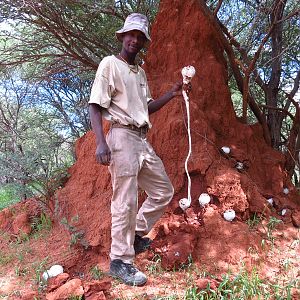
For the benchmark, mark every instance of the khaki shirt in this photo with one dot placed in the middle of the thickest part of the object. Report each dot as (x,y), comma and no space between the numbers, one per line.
(122,91)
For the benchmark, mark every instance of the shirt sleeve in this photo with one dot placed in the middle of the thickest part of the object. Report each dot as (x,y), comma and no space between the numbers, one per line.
(148,93)
(149,97)
(103,86)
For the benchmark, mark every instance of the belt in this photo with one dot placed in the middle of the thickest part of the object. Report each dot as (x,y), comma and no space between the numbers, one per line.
(142,130)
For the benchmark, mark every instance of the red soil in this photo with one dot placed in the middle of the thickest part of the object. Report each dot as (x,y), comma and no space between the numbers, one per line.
(181,36)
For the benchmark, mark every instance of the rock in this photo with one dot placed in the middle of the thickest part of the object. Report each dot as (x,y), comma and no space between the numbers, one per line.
(166,229)
(203,283)
(228,188)
(66,291)
(174,225)
(295,294)
(178,251)
(56,282)
(97,296)
(96,286)
(29,295)
(296,218)
(21,224)
(191,217)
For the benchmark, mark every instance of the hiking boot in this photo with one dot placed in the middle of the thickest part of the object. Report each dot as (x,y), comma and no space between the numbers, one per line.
(141,244)
(129,274)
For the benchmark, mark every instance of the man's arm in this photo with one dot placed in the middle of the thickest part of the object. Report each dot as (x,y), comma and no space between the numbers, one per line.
(103,154)
(157,104)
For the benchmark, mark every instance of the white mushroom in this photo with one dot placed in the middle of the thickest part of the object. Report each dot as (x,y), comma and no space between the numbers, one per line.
(184,203)
(239,165)
(188,73)
(225,149)
(56,270)
(229,215)
(204,199)
(52,272)
(270,201)
(46,275)
(286,191)
(283,212)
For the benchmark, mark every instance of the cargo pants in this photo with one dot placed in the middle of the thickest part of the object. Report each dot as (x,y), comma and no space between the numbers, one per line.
(134,165)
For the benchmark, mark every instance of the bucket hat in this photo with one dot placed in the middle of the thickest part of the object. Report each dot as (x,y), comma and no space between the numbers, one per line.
(134,21)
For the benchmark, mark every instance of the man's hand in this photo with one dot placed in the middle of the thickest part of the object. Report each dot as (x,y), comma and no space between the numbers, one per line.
(103,154)
(176,89)
(178,86)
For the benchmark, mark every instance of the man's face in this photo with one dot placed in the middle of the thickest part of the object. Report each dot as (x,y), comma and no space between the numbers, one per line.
(133,41)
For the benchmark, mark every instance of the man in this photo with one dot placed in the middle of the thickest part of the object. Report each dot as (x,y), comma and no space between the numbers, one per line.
(121,95)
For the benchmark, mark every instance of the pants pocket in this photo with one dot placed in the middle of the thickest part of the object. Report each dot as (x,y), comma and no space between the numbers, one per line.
(124,164)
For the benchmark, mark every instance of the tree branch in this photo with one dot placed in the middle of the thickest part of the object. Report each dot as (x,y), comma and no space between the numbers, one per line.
(216,10)
(237,74)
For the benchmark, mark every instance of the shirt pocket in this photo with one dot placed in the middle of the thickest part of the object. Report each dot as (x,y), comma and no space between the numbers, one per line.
(143,89)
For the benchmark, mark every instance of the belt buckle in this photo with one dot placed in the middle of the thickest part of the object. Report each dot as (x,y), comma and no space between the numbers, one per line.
(131,126)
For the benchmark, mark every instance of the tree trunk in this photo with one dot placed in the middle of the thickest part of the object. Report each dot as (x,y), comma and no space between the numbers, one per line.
(292,154)
(275,118)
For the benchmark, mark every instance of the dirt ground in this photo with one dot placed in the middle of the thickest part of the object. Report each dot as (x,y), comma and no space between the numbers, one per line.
(206,245)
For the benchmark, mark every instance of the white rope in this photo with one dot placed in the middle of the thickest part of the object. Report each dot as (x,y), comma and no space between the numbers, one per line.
(187,74)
